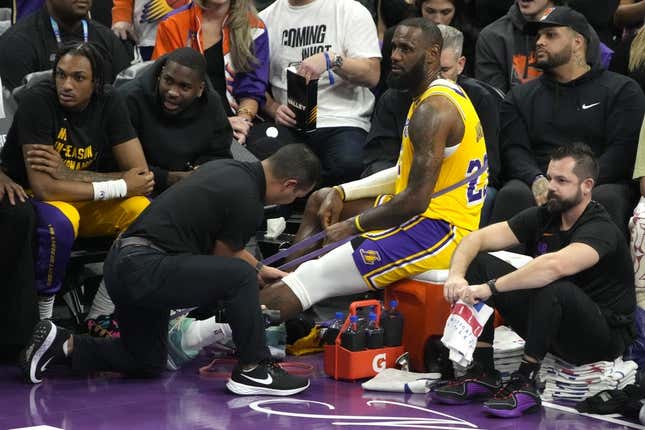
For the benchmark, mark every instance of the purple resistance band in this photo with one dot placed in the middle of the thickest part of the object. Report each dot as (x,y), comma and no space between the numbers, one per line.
(320,235)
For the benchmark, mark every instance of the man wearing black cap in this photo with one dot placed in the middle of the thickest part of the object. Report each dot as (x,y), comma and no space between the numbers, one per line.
(571,101)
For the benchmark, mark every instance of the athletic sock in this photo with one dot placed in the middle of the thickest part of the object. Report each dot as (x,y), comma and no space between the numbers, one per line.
(102,304)
(483,355)
(46,307)
(529,370)
(203,333)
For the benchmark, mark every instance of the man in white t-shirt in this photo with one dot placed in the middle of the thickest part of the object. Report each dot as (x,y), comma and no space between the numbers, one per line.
(326,38)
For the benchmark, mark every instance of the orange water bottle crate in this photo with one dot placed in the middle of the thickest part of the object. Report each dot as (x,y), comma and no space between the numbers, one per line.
(341,363)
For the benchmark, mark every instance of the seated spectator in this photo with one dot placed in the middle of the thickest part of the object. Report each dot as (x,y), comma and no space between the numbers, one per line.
(637,223)
(234,41)
(383,142)
(505,53)
(575,299)
(445,12)
(333,41)
(18,307)
(178,118)
(137,20)
(30,45)
(61,135)
(453,13)
(573,100)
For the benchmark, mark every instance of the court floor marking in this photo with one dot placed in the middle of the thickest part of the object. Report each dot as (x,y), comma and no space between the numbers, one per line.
(606,418)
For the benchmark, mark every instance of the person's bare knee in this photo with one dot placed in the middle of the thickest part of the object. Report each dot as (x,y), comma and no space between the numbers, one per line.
(278,296)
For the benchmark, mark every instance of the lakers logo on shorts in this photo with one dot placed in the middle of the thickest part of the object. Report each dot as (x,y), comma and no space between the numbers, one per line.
(370,257)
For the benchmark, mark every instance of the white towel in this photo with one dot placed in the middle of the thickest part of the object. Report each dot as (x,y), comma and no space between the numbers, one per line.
(399,381)
(463,327)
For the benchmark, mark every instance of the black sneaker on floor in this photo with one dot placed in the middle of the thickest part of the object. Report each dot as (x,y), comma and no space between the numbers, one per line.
(46,344)
(268,378)
(517,396)
(475,384)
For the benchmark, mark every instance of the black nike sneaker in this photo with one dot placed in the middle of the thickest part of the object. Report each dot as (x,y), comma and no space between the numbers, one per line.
(46,344)
(268,378)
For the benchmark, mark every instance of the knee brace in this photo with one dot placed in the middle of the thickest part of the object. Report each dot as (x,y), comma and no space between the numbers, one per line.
(333,274)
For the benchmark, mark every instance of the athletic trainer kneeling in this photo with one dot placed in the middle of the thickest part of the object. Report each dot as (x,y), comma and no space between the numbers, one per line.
(164,261)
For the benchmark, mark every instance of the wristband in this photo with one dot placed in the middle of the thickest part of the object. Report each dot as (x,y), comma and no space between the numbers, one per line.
(358,225)
(492,286)
(328,62)
(340,191)
(259,266)
(108,190)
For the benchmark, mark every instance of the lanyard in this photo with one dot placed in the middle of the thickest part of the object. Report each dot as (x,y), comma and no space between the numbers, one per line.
(56,30)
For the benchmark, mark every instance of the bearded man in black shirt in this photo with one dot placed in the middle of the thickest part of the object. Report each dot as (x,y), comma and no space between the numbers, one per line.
(575,299)
(165,261)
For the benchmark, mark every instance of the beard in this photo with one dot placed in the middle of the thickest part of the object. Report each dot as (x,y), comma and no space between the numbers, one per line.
(407,80)
(556,205)
(554,60)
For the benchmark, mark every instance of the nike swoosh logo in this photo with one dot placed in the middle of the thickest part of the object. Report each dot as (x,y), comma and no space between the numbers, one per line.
(42,368)
(266,381)
(585,107)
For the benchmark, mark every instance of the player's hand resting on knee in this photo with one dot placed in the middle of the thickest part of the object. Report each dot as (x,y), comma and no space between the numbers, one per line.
(340,230)
(330,208)
(140,181)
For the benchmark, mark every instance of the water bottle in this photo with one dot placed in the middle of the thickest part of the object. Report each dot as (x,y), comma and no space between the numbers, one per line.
(352,338)
(374,333)
(334,328)
(392,324)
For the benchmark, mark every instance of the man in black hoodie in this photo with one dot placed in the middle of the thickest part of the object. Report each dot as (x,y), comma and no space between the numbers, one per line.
(179,119)
(505,54)
(572,101)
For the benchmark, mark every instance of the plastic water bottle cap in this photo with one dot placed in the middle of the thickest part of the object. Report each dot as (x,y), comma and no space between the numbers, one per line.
(372,316)
(353,318)
(340,315)
(394,304)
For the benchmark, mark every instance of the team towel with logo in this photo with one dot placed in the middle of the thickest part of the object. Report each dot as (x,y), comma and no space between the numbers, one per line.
(400,381)
(463,327)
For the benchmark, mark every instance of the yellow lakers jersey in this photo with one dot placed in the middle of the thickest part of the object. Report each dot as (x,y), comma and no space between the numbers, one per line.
(462,206)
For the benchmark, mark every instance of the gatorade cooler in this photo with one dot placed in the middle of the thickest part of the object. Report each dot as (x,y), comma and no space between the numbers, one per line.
(341,363)
(424,311)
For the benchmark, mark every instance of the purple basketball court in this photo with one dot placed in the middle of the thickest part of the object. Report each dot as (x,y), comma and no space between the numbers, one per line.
(186,400)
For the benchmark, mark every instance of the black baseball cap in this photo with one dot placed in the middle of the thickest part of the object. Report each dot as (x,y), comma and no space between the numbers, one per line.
(560,16)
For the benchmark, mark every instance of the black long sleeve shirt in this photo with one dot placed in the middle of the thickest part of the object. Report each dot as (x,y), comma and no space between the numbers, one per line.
(602,109)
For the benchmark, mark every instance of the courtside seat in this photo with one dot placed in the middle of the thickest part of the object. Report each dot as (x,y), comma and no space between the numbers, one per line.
(424,309)
(76,290)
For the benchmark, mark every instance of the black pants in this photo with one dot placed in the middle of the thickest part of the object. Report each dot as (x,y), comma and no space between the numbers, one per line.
(558,318)
(18,301)
(340,149)
(145,284)
(618,199)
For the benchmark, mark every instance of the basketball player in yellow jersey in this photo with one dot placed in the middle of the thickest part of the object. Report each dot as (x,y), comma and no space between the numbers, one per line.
(405,231)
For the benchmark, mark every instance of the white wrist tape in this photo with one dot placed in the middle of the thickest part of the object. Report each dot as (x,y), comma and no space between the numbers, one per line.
(107,190)
(376,184)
